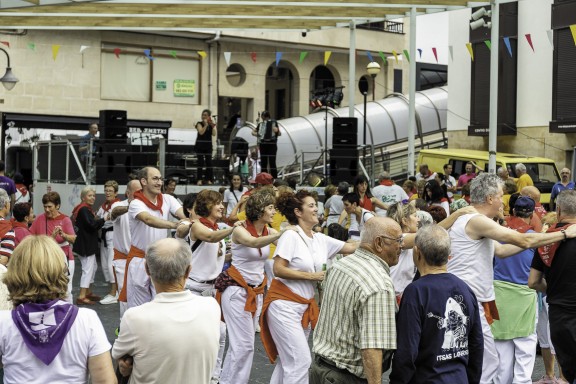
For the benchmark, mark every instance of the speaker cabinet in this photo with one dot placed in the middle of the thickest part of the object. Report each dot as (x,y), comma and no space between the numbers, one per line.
(343,165)
(345,133)
(118,161)
(113,125)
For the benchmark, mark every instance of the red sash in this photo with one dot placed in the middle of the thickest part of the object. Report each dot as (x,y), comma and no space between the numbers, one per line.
(209,224)
(78,208)
(139,195)
(252,230)
(547,252)
(107,205)
(518,224)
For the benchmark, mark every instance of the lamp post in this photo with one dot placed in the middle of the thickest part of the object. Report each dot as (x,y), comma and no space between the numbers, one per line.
(8,80)
(373,68)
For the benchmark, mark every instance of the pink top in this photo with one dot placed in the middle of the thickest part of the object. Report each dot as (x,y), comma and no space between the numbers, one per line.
(44,226)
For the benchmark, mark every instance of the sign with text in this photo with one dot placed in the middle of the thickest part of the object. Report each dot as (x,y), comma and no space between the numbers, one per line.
(563,126)
(184,88)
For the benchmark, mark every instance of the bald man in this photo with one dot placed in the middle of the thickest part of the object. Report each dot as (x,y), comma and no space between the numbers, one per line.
(534,194)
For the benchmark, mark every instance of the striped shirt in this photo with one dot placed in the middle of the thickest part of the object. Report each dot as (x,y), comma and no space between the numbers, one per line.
(358,311)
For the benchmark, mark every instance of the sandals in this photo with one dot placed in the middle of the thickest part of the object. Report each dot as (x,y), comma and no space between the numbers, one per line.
(93,297)
(84,301)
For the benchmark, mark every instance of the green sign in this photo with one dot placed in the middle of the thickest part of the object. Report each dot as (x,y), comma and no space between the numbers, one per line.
(160,85)
(184,88)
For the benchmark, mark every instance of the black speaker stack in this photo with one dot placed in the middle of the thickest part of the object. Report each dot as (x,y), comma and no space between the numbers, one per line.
(113,125)
(344,152)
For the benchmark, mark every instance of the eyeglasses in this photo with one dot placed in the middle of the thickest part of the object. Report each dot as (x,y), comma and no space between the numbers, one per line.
(157,179)
(399,240)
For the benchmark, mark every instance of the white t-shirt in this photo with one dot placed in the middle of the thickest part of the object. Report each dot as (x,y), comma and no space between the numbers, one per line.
(403,273)
(305,254)
(121,239)
(250,262)
(388,194)
(207,260)
(232,198)
(142,234)
(101,213)
(85,339)
(357,225)
(335,207)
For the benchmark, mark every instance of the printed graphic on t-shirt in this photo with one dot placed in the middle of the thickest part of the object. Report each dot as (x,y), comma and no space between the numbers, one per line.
(454,322)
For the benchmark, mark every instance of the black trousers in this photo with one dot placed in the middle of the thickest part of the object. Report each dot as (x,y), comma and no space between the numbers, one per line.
(204,161)
(563,335)
(323,371)
(268,157)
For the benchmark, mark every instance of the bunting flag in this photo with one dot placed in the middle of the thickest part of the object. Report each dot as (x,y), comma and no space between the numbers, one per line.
(435,54)
(327,55)
(148,54)
(202,54)
(32,46)
(173,54)
(117,52)
(383,57)
(451,50)
(253,56)
(55,49)
(278,57)
(6,43)
(420,52)
(407,55)
(303,56)
(508,46)
(227,57)
(529,39)
(573,30)
(550,37)
(469,46)
(395,55)
(488,44)
(83,48)
(369,56)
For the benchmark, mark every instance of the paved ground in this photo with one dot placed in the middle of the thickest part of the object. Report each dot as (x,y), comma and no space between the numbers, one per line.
(261,368)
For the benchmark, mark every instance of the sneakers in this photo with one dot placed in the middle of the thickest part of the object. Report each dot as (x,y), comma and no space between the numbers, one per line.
(257,328)
(109,299)
(546,380)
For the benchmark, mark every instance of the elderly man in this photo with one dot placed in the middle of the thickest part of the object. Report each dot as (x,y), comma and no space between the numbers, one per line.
(425,173)
(473,250)
(388,192)
(468,176)
(356,332)
(560,186)
(524,178)
(174,338)
(438,320)
(558,264)
(533,193)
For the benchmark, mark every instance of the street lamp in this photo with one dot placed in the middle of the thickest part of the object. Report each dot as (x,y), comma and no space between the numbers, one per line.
(8,80)
(373,68)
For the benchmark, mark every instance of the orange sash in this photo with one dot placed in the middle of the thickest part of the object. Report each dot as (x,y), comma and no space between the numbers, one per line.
(119,255)
(490,311)
(279,291)
(547,252)
(251,293)
(134,252)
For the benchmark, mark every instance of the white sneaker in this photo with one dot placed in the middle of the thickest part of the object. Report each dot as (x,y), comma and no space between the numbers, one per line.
(109,299)
(257,328)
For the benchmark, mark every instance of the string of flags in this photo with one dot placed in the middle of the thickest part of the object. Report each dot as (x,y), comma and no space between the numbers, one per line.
(327,54)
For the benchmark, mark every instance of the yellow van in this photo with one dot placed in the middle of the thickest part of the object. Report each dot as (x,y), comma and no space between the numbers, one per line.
(543,171)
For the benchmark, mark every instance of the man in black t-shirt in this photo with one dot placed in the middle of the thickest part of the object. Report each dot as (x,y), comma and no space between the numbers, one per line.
(267,133)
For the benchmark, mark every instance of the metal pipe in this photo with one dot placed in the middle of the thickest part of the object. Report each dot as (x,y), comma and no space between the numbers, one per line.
(493,117)
(412,93)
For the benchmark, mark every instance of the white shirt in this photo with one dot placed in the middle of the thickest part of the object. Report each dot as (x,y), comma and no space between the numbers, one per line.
(143,235)
(249,262)
(173,339)
(356,226)
(335,207)
(232,198)
(388,194)
(305,254)
(85,339)
(121,239)
(207,260)
(102,214)
(403,273)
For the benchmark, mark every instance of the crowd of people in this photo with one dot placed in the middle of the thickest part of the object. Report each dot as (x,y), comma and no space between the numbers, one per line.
(433,280)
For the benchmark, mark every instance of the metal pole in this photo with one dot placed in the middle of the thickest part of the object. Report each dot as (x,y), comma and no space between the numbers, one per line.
(352,69)
(412,93)
(373,87)
(493,118)
(364,142)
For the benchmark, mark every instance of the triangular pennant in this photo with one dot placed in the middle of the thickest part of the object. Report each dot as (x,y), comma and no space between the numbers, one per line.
(395,55)
(488,44)
(470,51)
(303,56)
(573,30)
(83,48)
(55,49)
(174,54)
(227,57)
(508,46)
(327,55)
(278,57)
(529,39)
(6,43)
(369,56)
(407,55)
(550,37)
(202,54)
(253,56)
(117,52)
(383,57)
(32,46)
(420,52)
(451,50)
(148,54)
(435,54)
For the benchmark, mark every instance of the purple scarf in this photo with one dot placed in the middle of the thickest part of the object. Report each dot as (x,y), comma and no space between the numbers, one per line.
(44,326)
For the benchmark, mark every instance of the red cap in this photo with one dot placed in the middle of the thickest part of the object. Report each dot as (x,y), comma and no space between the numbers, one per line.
(263,178)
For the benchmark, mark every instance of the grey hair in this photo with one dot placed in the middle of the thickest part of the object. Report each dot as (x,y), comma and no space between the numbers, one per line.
(85,191)
(566,201)
(520,167)
(433,242)
(425,218)
(4,198)
(484,185)
(385,175)
(167,260)
(500,170)
(343,187)
(376,226)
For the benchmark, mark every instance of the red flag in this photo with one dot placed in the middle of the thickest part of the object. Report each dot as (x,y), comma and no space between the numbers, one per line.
(253,56)
(435,54)
(529,38)
(6,43)
(117,52)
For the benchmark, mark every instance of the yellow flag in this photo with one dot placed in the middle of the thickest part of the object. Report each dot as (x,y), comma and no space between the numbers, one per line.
(327,56)
(469,46)
(55,49)
(395,56)
(202,54)
(573,30)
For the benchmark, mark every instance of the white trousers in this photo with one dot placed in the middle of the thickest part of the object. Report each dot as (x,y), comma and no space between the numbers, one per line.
(89,268)
(202,289)
(269,271)
(139,288)
(517,358)
(294,359)
(543,328)
(490,361)
(107,256)
(240,325)
(119,271)
(71,268)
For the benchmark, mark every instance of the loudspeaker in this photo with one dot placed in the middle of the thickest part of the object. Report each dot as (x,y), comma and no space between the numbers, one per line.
(113,124)
(343,165)
(118,161)
(345,132)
